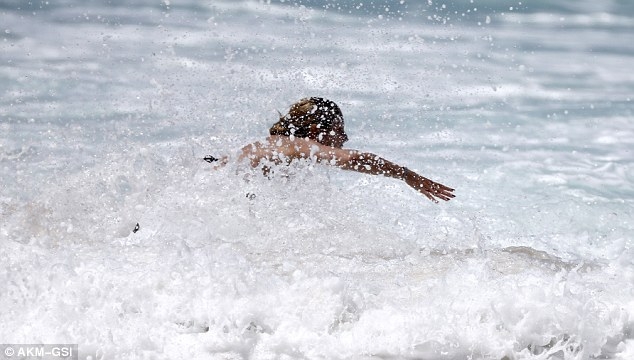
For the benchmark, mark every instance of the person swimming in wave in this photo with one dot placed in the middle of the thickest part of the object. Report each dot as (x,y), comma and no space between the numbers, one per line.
(313,129)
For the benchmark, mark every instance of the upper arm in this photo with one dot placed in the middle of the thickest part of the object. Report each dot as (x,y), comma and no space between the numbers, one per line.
(283,150)
(309,149)
(343,158)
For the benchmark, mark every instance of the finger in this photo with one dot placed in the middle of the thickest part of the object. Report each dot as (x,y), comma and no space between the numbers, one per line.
(445,195)
(445,187)
(442,191)
(429,196)
(439,187)
(448,197)
(442,197)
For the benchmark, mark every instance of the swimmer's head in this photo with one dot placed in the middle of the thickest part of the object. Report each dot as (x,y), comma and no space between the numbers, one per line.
(315,118)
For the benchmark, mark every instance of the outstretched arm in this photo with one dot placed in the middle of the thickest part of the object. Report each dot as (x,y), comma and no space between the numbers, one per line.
(283,149)
(373,164)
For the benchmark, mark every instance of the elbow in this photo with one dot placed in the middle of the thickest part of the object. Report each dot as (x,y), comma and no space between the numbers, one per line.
(250,153)
(253,160)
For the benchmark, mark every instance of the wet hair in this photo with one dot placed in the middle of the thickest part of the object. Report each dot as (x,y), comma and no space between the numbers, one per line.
(306,112)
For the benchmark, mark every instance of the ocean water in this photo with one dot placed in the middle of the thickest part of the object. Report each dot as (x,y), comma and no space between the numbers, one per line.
(107,108)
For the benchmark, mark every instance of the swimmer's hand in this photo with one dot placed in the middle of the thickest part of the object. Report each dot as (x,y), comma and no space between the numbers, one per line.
(431,189)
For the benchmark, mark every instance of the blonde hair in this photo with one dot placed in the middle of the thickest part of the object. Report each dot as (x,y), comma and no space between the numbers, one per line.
(306,112)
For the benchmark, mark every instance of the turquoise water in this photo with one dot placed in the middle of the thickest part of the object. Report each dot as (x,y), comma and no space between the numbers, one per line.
(107,108)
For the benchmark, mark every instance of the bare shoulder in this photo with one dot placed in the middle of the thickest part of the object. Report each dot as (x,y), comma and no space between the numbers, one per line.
(308,148)
(294,147)
(284,148)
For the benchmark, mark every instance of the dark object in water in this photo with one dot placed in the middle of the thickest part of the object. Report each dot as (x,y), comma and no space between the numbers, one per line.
(210,159)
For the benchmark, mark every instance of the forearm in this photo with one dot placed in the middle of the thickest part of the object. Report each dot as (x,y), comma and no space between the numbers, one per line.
(369,163)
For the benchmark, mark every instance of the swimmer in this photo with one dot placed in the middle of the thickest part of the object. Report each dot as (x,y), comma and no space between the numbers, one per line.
(313,129)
